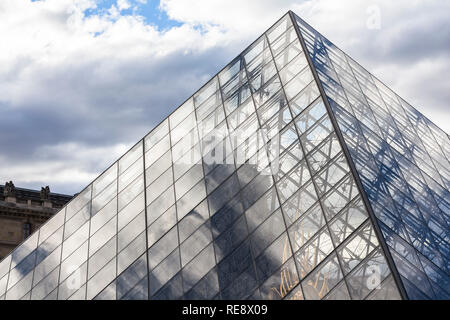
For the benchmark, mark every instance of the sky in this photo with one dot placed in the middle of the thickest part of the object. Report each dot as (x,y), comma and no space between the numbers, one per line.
(81,81)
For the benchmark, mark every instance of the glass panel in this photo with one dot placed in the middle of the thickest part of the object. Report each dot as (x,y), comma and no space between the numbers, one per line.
(281,282)
(206,91)
(306,227)
(104,215)
(289,53)
(109,293)
(262,209)
(193,220)
(139,292)
(101,257)
(130,157)
(74,241)
(184,146)
(191,199)
(171,291)
(265,93)
(196,242)
(231,238)
(273,257)
(242,113)
(205,289)
(218,175)
(74,284)
(24,268)
(160,185)
(77,221)
(131,230)
(131,210)
(299,203)
(348,221)
(341,195)
(156,134)
(101,279)
(234,264)
(3,283)
(163,247)
(267,232)
(320,282)
(211,121)
(20,289)
(387,291)
(340,292)
(298,83)
(279,28)
(73,263)
(368,276)
(130,192)
(331,175)
(47,265)
(103,198)
(157,168)
(131,253)
(131,173)
(157,151)
(49,245)
(293,68)
(104,180)
(310,116)
(164,271)
(198,267)
(311,254)
(161,204)
(188,180)
(222,219)
(48,228)
(255,50)
(45,286)
(78,202)
(294,180)
(223,194)
(255,189)
(131,277)
(183,128)
(181,113)
(102,236)
(357,248)
(260,76)
(161,225)
(242,287)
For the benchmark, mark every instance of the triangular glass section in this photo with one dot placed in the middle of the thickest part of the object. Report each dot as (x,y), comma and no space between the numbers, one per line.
(402,160)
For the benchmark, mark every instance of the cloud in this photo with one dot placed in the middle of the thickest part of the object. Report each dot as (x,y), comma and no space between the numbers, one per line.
(409,52)
(79,84)
(123,5)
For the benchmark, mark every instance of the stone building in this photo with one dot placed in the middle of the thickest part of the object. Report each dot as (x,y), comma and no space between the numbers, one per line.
(22,211)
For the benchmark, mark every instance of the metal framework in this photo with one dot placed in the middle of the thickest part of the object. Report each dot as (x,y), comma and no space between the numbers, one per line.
(252,188)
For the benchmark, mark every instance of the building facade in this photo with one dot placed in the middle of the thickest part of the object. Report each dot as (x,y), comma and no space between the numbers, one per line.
(292,174)
(23,211)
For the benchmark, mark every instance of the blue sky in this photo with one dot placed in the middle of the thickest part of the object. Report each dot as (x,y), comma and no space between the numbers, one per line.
(149,9)
(82,80)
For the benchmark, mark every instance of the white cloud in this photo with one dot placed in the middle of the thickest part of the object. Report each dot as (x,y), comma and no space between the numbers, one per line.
(101,81)
(123,4)
(60,164)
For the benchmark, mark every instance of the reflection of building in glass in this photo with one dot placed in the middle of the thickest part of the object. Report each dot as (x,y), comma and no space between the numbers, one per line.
(347,198)
(23,211)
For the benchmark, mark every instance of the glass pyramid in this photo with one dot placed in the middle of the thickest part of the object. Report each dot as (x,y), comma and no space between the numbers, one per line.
(292,174)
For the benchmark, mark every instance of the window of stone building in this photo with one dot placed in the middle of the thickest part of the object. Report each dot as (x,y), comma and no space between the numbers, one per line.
(26,230)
